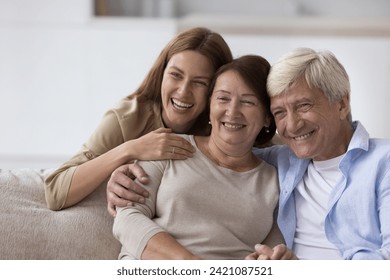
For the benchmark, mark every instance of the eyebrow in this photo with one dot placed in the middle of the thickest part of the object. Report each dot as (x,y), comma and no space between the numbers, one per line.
(222,90)
(182,72)
(295,101)
(244,94)
(273,108)
(176,68)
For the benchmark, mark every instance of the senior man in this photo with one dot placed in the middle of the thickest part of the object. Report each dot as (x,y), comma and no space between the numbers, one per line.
(335,181)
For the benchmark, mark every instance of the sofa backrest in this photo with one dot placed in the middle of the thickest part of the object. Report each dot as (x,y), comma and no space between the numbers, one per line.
(29,230)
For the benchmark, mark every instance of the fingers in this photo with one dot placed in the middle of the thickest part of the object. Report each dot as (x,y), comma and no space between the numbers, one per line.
(282,252)
(182,145)
(176,152)
(166,145)
(263,249)
(163,130)
(115,201)
(263,252)
(134,171)
(251,257)
(111,209)
(176,144)
(120,196)
(125,187)
(122,190)
(279,252)
(179,148)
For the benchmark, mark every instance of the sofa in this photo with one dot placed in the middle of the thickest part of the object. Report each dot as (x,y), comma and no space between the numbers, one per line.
(30,231)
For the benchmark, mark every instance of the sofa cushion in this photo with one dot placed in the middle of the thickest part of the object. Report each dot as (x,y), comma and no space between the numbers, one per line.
(29,230)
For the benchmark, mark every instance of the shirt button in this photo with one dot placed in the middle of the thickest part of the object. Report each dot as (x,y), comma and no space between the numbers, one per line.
(89,155)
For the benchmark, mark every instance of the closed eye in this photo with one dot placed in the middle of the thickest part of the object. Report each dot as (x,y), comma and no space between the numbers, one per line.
(278,114)
(201,83)
(175,75)
(223,98)
(248,102)
(304,107)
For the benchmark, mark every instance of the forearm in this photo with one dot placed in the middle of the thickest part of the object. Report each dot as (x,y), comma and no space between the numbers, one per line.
(163,246)
(91,174)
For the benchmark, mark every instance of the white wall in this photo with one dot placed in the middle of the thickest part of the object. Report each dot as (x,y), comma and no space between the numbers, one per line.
(58,76)
(61,69)
(180,8)
(366,59)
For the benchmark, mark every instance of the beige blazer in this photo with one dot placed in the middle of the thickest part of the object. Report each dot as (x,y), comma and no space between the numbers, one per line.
(129,120)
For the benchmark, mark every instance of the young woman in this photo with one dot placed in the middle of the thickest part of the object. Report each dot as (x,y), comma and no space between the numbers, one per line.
(221,202)
(171,99)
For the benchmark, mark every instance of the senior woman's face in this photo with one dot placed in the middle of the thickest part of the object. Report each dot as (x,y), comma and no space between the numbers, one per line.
(184,89)
(236,114)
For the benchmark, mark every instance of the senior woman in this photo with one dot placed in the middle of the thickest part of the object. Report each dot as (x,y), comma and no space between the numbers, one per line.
(185,215)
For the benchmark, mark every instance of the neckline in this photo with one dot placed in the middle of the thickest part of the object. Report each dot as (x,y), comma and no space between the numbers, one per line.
(216,163)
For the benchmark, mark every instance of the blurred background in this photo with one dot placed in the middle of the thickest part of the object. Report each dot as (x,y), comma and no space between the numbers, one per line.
(63,63)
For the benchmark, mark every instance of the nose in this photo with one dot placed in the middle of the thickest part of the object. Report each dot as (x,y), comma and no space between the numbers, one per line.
(184,87)
(294,122)
(233,108)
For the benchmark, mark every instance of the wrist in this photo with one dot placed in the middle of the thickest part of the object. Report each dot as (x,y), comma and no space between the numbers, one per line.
(125,154)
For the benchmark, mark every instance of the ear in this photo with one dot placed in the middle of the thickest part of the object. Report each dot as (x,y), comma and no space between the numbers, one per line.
(267,121)
(344,107)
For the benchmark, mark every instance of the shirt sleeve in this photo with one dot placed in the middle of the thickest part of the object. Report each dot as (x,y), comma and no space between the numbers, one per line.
(134,225)
(384,213)
(269,155)
(107,136)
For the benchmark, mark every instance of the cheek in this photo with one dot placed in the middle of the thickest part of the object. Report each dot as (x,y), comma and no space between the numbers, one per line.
(164,91)
(259,122)
(279,125)
(167,85)
(201,100)
(215,112)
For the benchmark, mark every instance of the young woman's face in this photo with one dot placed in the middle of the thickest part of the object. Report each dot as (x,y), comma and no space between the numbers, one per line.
(236,114)
(184,89)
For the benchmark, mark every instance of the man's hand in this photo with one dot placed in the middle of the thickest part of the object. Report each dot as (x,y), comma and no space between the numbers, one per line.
(122,190)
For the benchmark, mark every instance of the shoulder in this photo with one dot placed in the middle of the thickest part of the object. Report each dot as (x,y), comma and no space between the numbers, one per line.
(380,148)
(267,168)
(187,137)
(135,118)
(380,143)
(272,152)
(130,107)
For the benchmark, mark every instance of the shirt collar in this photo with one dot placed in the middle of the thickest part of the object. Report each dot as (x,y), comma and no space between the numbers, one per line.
(360,138)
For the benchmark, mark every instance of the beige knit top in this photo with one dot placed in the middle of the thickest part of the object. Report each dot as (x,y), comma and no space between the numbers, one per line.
(215,212)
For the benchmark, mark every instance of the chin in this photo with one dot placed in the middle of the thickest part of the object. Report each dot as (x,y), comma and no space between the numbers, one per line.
(299,153)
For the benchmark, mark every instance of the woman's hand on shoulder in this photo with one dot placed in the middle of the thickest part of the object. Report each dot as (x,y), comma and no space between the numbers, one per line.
(162,144)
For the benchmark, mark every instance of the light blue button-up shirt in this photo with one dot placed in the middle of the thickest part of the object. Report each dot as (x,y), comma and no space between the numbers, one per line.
(358,217)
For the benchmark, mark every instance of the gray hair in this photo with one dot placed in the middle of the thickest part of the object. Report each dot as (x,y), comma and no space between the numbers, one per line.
(320,70)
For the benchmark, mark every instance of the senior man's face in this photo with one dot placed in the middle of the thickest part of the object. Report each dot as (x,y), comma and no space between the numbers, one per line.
(311,125)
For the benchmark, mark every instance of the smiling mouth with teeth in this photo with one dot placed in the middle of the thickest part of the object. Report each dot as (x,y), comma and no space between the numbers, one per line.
(232,125)
(303,137)
(181,105)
